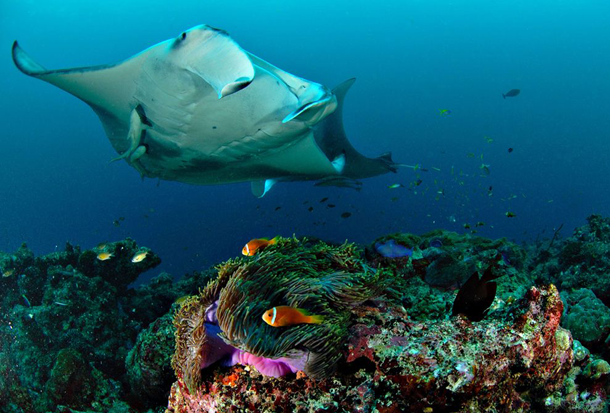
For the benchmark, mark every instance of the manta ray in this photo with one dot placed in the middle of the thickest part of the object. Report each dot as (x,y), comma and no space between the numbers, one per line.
(201,110)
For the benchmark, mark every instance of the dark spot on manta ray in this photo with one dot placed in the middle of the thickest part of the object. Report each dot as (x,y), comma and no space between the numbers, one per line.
(183,35)
(213,127)
(278,208)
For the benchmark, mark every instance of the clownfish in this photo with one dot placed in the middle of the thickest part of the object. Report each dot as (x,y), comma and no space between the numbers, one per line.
(284,316)
(257,244)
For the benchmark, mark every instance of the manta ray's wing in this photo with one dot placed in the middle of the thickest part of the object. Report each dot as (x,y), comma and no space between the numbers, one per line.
(113,91)
(108,89)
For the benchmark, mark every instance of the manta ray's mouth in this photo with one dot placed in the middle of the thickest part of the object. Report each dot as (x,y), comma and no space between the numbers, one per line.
(312,112)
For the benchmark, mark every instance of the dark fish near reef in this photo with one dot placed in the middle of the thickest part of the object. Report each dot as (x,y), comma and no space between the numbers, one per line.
(346,215)
(511,93)
(475,296)
(285,316)
(323,200)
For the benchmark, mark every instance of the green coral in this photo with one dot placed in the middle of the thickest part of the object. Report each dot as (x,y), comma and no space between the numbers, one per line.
(585,315)
(148,363)
(71,382)
(596,369)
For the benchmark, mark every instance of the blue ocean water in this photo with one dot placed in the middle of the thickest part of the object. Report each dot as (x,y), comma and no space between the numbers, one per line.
(411,59)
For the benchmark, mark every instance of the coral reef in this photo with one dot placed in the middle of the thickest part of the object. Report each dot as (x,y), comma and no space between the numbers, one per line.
(77,336)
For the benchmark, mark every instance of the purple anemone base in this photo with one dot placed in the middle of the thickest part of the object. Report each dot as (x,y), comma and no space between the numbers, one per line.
(218,351)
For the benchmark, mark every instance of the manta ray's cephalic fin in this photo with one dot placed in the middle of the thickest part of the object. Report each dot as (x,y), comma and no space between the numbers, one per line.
(260,188)
(137,120)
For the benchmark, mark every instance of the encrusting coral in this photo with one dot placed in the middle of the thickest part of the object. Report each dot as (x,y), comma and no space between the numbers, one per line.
(225,321)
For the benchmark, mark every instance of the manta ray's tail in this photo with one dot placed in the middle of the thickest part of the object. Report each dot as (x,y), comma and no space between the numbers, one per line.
(330,137)
(386,158)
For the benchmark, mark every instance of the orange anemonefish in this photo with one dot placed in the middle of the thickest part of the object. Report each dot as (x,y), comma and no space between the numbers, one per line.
(284,316)
(257,244)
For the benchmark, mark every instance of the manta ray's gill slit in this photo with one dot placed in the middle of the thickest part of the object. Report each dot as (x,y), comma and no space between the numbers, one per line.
(252,145)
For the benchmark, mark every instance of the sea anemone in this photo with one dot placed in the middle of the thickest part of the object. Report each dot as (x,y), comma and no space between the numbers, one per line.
(224,322)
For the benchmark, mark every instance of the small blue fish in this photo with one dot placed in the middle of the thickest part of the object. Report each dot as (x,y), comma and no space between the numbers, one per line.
(394,186)
(505,258)
(390,249)
(436,243)
(27,302)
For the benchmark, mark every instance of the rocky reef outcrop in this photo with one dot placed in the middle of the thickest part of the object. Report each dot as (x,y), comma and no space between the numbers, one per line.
(69,320)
